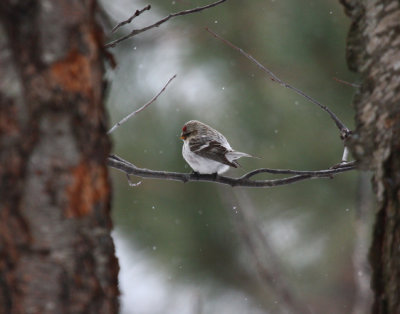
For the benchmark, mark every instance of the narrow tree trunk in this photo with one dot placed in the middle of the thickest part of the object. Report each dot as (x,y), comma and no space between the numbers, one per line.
(56,253)
(373,50)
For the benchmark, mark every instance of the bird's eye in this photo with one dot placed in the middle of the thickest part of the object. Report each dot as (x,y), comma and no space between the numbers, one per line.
(184,129)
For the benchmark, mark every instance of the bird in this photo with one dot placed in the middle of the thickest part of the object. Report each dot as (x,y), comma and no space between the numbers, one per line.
(206,150)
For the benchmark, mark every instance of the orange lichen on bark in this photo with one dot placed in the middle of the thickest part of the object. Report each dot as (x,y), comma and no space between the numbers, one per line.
(73,73)
(89,186)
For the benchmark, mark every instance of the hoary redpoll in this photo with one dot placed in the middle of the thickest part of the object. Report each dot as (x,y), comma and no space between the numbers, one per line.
(206,150)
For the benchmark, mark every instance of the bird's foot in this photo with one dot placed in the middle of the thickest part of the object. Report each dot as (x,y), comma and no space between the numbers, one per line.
(195,174)
(339,165)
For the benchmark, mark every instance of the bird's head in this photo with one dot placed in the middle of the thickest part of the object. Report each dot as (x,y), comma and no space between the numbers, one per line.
(190,129)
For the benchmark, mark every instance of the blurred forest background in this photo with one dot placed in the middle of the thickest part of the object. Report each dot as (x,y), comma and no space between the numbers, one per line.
(208,248)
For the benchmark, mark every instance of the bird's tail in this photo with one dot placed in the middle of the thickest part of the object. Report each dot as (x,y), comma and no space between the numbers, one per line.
(233,155)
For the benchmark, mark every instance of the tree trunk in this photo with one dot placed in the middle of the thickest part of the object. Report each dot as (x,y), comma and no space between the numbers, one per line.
(56,253)
(373,50)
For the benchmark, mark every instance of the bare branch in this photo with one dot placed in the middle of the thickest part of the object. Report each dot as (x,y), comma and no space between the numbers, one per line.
(317,173)
(267,266)
(141,108)
(128,168)
(347,83)
(163,20)
(136,14)
(344,131)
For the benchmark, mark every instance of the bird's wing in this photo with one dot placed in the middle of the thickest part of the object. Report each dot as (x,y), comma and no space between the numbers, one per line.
(212,150)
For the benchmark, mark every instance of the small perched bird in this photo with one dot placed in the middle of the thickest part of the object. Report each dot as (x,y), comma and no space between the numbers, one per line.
(206,150)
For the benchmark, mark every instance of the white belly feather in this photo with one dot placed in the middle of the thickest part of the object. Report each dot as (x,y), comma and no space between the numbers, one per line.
(200,164)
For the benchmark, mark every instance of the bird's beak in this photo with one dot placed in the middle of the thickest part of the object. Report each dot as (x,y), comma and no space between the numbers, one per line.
(183,137)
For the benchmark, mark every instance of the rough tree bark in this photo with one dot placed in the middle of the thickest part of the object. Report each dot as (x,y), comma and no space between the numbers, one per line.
(373,50)
(56,253)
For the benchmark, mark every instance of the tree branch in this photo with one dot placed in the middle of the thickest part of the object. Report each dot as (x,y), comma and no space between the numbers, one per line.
(130,169)
(347,83)
(268,267)
(136,14)
(317,173)
(163,20)
(141,108)
(344,131)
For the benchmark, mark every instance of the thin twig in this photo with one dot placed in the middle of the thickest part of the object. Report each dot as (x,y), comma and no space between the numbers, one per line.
(347,83)
(317,173)
(265,261)
(136,14)
(128,168)
(141,108)
(344,131)
(163,20)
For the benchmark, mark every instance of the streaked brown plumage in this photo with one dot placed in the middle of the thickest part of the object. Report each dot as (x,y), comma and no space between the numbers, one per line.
(206,150)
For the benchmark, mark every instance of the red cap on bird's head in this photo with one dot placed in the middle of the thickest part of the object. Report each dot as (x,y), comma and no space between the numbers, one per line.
(183,137)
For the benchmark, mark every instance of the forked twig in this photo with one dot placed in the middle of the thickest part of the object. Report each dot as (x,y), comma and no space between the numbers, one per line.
(316,173)
(120,164)
(141,108)
(163,20)
(136,14)
(344,131)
